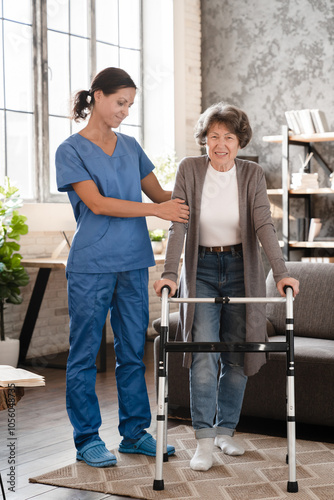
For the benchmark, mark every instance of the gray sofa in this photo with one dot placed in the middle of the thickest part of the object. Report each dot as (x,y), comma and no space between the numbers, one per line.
(314,355)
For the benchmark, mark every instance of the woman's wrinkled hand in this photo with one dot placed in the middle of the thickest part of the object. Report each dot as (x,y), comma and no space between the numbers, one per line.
(159,284)
(174,210)
(288,282)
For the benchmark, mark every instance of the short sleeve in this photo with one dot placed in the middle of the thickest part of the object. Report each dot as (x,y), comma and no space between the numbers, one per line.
(145,164)
(69,167)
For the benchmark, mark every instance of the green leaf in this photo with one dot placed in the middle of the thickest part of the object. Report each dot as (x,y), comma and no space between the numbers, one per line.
(13,246)
(16,260)
(14,298)
(12,227)
(4,292)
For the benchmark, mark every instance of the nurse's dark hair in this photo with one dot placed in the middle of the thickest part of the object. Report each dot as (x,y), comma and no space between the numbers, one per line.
(109,80)
(235,120)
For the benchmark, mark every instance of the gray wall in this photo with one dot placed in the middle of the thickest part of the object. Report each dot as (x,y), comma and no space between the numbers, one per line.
(268,57)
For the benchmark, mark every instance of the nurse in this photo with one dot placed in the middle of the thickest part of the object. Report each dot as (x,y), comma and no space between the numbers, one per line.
(104,173)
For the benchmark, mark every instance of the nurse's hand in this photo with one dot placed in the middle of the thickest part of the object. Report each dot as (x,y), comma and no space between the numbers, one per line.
(158,285)
(174,210)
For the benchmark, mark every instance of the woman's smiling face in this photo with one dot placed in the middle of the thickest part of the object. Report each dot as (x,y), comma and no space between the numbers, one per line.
(222,147)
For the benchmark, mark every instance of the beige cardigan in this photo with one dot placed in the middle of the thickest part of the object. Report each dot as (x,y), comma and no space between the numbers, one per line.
(255,224)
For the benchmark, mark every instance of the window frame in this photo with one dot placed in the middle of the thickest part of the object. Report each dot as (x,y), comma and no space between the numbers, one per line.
(40,86)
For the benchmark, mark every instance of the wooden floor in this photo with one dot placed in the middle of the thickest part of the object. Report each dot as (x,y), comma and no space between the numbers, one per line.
(44,435)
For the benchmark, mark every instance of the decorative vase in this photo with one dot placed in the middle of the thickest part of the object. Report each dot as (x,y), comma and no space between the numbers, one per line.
(157,246)
(9,352)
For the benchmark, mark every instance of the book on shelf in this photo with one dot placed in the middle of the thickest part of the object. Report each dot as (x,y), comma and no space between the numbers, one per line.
(325,260)
(307,121)
(320,121)
(314,229)
(301,180)
(292,122)
(303,224)
(19,377)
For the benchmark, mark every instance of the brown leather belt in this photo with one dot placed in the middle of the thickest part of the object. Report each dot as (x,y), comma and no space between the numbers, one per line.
(228,248)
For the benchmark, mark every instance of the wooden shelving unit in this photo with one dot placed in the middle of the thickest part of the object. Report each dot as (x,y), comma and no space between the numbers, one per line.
(325,137)
(287,139)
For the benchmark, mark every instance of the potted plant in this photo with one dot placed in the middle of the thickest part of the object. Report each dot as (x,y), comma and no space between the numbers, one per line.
(12,273)
(157,237)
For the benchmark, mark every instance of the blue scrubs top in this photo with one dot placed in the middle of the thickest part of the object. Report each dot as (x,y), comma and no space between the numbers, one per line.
(105,244)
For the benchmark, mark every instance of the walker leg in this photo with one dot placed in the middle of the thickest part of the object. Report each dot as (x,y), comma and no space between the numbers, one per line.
(161,451)
(292,486)
(165,454)
(158,483)
(291,434)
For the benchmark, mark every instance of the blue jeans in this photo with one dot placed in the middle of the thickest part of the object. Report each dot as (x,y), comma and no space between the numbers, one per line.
(216,401)
(90,296)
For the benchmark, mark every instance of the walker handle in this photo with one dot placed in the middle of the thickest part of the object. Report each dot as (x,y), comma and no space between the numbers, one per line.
(168,288)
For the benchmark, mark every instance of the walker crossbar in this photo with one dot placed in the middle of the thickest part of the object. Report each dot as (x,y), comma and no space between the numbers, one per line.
(229,300)
(166,347)
(226,347)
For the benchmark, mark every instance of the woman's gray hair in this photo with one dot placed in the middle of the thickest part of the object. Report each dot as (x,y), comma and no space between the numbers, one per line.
(234,118)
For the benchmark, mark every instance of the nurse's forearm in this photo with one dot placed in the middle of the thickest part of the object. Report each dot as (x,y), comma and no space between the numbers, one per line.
(174,210)
(152,188)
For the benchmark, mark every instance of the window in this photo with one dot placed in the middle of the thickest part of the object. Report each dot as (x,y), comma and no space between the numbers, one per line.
(17,117)
(119,43)
(49,49)
(68,60)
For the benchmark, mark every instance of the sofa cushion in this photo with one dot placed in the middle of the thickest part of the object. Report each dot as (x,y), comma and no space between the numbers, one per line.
(313,307)
(265,394)
(308,350)
(173,320)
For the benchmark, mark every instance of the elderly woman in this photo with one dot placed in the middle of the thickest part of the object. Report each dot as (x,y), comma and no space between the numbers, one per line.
(229,215)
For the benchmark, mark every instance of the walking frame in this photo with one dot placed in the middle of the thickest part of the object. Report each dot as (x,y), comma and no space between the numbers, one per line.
(166,347)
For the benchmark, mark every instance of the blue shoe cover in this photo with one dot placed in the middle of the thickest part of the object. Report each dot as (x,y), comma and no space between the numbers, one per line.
(96,454)
(146,445)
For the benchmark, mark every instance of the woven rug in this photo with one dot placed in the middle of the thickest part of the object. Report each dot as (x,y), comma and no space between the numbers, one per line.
(261,473)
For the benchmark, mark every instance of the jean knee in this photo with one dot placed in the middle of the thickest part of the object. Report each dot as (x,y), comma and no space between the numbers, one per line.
(205,365)
(233,371)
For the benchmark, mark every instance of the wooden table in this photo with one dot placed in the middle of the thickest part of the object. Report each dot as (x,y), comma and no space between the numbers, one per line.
(45,266)
(5,392)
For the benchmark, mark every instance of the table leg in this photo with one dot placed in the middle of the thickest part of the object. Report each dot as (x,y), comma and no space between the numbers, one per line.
(32,311)
(2,488)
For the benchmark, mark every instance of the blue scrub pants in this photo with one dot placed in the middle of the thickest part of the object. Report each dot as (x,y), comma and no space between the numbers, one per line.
(90,296)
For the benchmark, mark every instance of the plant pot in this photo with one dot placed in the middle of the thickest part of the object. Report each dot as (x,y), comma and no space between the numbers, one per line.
(9,352)
(157,246)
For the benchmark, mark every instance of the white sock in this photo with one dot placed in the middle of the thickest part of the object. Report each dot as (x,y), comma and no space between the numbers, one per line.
(228,445)
(202,460)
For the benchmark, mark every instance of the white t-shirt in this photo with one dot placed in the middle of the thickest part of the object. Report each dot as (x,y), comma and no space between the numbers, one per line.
(219,218)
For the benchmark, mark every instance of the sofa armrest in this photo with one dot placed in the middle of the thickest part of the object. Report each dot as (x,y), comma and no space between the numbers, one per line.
(270,329)
(173,321)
